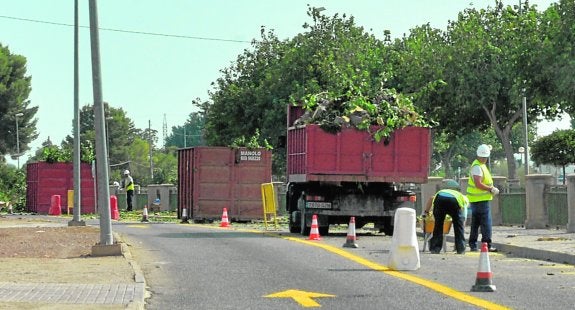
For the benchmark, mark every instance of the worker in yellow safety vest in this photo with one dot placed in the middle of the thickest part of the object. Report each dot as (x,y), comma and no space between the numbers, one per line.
(447,201)
(480,192)
(128,185)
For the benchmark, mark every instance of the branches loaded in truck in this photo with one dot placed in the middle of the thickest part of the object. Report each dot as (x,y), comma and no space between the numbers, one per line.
(350,172)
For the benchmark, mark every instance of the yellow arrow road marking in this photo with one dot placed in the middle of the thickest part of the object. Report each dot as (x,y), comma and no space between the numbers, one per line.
(301,297)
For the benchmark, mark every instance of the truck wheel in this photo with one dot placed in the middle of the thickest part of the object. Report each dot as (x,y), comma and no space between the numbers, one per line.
(294,226)
(387,228)
(304,229)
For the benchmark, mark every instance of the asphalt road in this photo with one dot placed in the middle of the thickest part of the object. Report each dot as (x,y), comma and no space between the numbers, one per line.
(201,267)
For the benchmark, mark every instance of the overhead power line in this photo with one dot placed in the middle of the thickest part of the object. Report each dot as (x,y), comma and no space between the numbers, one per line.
(127,31)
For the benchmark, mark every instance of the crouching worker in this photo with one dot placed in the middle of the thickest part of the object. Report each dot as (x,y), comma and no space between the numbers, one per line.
(448,201)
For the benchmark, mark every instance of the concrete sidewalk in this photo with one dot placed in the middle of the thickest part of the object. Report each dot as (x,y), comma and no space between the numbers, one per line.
(554,245)
(109,282)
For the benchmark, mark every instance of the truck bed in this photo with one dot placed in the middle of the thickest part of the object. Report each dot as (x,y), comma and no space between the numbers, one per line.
(354,156)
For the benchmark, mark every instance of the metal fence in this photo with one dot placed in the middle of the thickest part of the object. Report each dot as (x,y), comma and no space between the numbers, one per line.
(556,202)
(512,206)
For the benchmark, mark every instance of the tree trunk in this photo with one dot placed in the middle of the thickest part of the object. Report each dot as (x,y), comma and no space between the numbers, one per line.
(446,162)
(503,134)
(511,165)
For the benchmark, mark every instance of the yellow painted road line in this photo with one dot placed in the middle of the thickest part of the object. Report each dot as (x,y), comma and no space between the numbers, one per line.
(411,278)
(305,299)
(139,226)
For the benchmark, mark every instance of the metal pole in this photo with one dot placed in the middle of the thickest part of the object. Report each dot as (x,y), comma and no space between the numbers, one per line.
(106,237)
(526,133)
(107,123)
(150,142)
(17,140)
(77,175)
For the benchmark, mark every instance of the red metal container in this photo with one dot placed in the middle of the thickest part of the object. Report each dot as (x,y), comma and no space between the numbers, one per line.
(47,179)
(354,156)
(213,178)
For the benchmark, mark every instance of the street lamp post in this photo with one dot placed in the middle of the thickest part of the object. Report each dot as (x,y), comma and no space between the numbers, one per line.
(525,132)
(107,124)
(18,139)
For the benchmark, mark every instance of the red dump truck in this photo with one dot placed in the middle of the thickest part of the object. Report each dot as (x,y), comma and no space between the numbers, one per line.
(336,176)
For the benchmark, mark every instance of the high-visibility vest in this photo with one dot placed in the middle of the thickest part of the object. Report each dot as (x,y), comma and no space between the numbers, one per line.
(475,194)
(130,185)
(462,201)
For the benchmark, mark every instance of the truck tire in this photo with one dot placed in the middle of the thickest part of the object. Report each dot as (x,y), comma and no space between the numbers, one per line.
(387,228)
(304,228)
(294,226)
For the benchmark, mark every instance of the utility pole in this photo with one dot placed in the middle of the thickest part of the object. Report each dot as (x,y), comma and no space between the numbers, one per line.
(525,133)
(102,179)
(151,151)
(165,132)
(77,175)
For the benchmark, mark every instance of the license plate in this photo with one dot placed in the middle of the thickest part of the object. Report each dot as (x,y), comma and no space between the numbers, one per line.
(318,205)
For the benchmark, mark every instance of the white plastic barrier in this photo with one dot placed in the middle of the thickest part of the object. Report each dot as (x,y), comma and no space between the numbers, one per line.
(404,253)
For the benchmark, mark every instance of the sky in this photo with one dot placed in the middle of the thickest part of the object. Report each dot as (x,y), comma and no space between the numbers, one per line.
(154,78)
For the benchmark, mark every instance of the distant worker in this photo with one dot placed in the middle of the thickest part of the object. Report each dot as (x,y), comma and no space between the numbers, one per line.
(128,185)
(480,191)
(448,201)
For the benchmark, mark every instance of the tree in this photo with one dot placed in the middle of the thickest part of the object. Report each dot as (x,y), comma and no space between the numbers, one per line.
(556,149)
(558,55)
(13,186)
(188,135)
(165,167)
(120,132)
(492,60)
(15,87)
(333,55)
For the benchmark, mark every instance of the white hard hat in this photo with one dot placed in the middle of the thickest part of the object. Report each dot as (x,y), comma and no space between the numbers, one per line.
(126,171)
(483,150)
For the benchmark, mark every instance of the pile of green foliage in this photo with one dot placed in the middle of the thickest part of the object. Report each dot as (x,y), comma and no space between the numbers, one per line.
(252,143)
(379,115)
(55,154)
(13,186)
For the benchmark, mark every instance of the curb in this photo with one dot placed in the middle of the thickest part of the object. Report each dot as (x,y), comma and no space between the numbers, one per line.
(141,293)
(525,252)
(556,257)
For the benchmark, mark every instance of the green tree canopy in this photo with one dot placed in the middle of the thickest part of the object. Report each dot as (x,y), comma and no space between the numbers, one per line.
(333,55)
(556,149)
(14,91)
(491,59)
(188,135)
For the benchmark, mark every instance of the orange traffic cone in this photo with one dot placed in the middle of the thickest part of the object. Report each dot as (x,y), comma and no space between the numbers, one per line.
(350,240)
(225,222)
(145,214)
(184,216)
(483,281)
(314,232)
